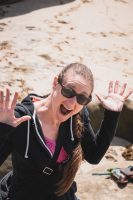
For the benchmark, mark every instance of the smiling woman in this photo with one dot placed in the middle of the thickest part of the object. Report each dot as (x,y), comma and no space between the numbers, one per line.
(49,136)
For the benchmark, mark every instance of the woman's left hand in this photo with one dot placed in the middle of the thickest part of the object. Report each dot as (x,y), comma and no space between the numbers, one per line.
(115,99)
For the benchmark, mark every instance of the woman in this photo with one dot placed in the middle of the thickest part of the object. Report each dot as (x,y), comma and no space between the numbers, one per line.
(50,136)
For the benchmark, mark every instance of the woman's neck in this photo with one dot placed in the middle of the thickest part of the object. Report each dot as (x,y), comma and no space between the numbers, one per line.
(45,113)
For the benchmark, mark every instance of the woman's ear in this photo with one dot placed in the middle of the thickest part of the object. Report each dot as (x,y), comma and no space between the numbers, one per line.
(55,82)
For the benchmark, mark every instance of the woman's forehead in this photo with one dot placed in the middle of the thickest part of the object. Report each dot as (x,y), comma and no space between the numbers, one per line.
(76,79)
(78,83)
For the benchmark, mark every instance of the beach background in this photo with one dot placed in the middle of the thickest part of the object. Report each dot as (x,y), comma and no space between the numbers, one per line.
(39,37)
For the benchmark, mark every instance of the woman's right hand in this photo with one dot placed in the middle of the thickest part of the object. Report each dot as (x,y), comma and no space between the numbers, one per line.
(7,107)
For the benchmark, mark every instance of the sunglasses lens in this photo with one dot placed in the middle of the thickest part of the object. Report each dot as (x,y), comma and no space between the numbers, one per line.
(81,99)
(67,92)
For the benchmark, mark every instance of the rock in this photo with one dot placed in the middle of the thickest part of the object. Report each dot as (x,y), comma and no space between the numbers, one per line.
(125,125)
(128,153)
(3,2)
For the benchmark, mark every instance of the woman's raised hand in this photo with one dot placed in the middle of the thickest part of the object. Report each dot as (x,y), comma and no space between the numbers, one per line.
(7,107)
(116,97)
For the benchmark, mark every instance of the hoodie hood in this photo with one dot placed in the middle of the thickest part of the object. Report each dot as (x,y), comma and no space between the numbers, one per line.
(28,102)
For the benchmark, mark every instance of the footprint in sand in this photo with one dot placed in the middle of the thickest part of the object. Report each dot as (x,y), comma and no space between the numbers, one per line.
(122,1)
(116,58)
(22,69)
(126,60)
(125,49)
(86,1)
(30,28)
(62,22)
(71,28)
(5,45)
(59,15)
(1,29)
(103,34)
(57,28)
(46,56)
(91,33)
(128,71)
(2,25)
(119,34)
(58,47)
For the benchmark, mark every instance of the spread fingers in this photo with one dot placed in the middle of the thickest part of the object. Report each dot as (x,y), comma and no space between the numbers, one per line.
(14,101)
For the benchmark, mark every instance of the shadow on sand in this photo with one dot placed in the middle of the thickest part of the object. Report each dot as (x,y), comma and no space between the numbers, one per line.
(9,8)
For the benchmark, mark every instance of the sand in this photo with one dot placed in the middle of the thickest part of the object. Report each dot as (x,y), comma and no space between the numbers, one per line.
(38,38)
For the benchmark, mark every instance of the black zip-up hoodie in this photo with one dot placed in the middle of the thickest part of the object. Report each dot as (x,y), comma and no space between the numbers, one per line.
(35,170)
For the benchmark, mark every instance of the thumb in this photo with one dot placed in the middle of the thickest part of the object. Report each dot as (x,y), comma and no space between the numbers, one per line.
(22,119)
(100,98)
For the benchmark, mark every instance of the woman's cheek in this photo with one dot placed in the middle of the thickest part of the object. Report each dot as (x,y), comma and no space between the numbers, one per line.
(78,109)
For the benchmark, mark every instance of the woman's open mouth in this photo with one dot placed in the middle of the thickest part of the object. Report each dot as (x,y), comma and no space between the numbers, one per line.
(64,110)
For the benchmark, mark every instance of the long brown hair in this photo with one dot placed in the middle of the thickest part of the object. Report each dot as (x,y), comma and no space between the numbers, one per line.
(73,164)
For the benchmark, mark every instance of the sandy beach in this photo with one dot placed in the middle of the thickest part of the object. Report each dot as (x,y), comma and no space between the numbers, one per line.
(39,37)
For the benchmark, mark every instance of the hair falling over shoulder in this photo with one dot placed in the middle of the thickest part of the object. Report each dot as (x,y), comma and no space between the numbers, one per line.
(73,164)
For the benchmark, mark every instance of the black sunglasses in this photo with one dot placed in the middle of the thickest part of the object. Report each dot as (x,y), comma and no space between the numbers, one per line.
(69,93)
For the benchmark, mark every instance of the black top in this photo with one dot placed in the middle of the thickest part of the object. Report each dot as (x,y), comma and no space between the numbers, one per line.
(31,158)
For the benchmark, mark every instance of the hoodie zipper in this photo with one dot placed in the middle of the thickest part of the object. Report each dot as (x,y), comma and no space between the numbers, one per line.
(42,141)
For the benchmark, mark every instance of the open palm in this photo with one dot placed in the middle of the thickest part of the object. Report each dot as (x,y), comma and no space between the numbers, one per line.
(115,99)
(7,110)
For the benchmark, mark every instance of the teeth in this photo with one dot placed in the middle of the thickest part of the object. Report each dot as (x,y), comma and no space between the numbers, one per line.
(64,110)
(67,108)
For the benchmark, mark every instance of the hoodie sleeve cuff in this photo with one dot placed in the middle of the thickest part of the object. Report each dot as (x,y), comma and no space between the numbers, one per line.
(113,115)
(110,122)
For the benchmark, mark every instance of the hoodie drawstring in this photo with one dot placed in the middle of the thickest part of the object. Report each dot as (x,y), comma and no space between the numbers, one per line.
(71,129)
(28,135)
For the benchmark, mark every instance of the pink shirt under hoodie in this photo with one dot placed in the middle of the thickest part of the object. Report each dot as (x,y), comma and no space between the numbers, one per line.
(51,145)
